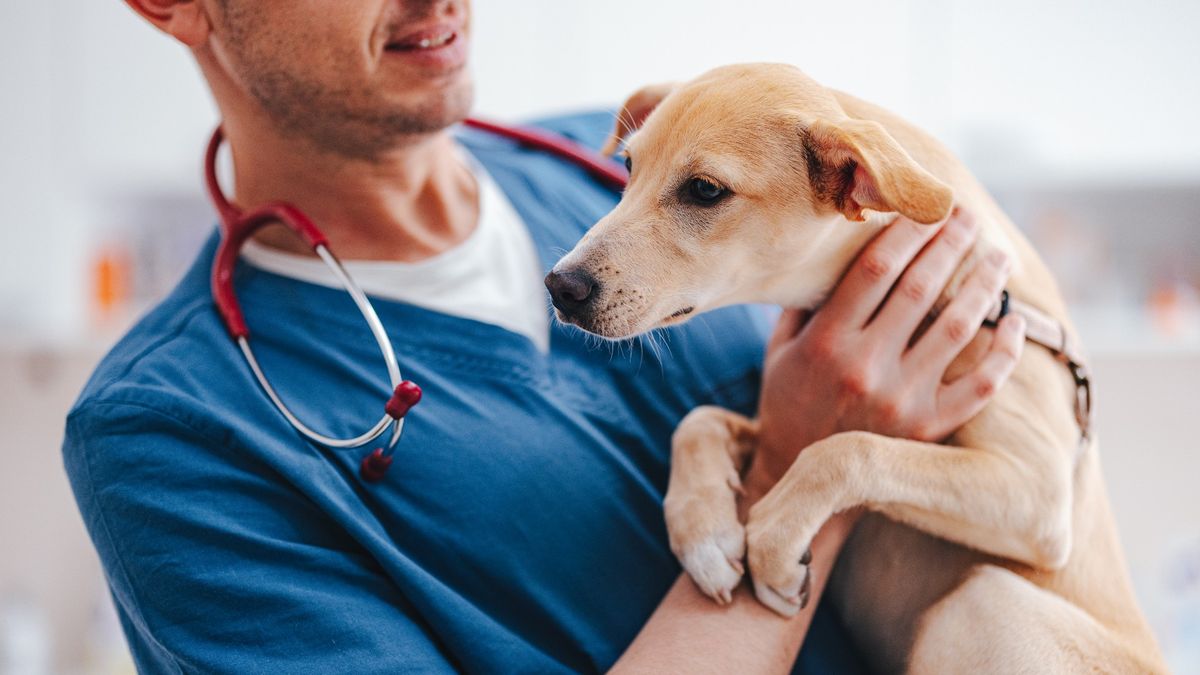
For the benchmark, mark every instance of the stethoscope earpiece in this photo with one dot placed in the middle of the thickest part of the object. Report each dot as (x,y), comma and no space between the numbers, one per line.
(376,464)
(406,395)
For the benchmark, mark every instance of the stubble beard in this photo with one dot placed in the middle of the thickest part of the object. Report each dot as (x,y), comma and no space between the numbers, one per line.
(351,122)
(345,123)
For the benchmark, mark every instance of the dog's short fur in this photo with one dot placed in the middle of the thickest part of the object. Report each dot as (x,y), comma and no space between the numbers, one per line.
(995,554)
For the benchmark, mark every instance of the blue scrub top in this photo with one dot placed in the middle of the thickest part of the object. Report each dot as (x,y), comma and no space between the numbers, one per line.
(520,528)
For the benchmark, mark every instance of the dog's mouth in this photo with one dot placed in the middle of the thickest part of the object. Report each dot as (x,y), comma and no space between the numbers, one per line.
(679,314)
(605,330)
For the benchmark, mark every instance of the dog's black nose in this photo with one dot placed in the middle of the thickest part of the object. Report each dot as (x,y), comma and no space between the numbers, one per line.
(571,291)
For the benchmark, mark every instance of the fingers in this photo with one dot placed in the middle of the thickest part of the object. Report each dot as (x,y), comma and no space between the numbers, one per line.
(869,279)
(790,322)
(959,322)
(924,280)
(962,399)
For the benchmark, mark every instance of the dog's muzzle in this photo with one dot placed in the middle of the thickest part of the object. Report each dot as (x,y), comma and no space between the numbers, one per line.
(573,292)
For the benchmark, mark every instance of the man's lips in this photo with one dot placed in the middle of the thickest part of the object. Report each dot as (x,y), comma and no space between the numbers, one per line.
(437,49)
(427,39)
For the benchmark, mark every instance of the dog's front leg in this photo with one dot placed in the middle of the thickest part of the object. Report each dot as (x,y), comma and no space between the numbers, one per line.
(708,450)
(992,501)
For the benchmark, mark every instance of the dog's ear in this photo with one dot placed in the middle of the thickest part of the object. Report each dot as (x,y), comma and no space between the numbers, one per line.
(635,111)
(856,165)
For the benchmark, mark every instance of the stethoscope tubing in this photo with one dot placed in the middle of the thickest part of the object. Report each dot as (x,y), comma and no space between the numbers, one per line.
(236,228)
(385,347)
(238,225)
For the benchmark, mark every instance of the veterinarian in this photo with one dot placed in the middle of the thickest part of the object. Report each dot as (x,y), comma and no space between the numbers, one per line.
(520,529)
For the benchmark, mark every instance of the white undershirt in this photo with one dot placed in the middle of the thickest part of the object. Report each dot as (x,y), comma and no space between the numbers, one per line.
(494,276)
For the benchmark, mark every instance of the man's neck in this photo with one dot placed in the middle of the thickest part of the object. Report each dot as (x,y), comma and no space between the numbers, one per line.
(412,203)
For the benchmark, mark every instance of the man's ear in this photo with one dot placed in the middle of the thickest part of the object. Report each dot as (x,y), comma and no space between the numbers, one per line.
(857,165)
(635,111)
(185,20)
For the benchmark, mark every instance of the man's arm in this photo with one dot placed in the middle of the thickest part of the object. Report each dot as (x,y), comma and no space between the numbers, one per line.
(805,398)
(689,633)
(217,565)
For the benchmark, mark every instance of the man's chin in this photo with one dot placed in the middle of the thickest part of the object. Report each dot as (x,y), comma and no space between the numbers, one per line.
(439,108)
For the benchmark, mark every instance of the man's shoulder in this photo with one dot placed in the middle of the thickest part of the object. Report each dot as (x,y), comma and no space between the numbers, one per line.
(590,128)
(557,198)
(162,358)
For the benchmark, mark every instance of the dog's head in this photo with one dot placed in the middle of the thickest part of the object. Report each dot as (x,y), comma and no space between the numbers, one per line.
(742,183)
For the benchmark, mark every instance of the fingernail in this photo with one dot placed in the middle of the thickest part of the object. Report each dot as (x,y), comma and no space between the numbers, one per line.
(998,258)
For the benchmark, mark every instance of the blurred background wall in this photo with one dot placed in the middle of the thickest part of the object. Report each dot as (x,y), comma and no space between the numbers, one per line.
(1081,117)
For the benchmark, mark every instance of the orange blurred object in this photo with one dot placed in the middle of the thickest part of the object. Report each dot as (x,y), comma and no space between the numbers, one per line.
(111,274)
(1175,307)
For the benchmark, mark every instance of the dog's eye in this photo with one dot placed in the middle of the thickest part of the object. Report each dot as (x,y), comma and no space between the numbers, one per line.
(628,163)
(705,192)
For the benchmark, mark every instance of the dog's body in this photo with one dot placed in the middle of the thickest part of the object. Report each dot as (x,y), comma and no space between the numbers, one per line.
(993,552)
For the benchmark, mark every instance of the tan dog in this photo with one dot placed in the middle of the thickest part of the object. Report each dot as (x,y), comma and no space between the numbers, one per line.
(753,183)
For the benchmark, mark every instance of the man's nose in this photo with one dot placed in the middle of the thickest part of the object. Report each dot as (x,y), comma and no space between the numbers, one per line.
(571,291)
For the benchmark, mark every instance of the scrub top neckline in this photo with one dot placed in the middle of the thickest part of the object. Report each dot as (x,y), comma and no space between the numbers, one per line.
(507,166)
(404,321)
(494,275)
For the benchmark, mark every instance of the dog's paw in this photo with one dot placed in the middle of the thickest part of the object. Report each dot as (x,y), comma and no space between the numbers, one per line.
(708,539)
(715,563)
(779,557)
(783,585)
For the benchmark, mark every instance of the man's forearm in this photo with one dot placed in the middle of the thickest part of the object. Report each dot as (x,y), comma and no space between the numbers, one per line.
(691,633)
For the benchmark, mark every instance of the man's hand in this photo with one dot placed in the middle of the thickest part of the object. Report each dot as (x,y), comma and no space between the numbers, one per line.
(850,366)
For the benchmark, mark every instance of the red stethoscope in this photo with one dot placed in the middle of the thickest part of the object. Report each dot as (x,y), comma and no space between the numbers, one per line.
(238,225)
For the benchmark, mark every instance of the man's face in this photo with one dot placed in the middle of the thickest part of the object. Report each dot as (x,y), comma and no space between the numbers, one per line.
(355,78)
